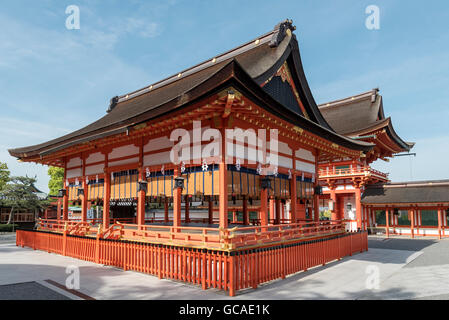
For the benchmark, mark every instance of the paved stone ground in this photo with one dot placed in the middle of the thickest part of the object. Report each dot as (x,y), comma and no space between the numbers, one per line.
(7,237)
(407,269)
(29,291)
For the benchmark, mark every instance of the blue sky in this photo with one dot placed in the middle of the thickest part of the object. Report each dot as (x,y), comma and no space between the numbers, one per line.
(54,80)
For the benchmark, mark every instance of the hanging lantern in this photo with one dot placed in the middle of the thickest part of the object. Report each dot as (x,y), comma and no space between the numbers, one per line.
(61,193)
(318,190)
(142,186)
(179,182)
(265,183)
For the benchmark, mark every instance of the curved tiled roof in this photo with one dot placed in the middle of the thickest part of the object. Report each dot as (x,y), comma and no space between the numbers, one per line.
(359,115)
(259,59)
(436,191)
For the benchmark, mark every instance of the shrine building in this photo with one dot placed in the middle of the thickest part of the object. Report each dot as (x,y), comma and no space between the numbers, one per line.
(211,176)
(360,117)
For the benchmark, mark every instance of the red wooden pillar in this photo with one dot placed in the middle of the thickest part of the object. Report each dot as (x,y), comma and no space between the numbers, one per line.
(439,224)
(211,210)
(141,201)
(282,212)
(186,209)
(84,201)
(412,223)
(107,198)
(223,187)
(65,212)
(245,210)
(165,209)
(293,196)
(263,208)
(272,209)
(278,212)
(177,194)
(387,221)
(419,220)
(316,208)
(358,205)
(58,210)
(334,213)
(316,197)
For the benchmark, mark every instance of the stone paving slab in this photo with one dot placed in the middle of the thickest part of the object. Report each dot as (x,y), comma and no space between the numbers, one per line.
(345,279)
(29,291)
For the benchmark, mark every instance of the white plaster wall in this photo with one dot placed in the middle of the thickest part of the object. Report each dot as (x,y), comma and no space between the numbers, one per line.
(98,168)
(122,162)
(123,151)
(74,173)
(74,162)
(95,157)
(304,166)
(305,154)
(156,158)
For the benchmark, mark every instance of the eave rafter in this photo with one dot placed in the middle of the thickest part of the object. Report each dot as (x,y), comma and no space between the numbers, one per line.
(218,105)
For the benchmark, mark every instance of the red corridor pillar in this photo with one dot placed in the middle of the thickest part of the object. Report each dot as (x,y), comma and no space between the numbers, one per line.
(107,197)
(358,205)
(334,213)
(177,194)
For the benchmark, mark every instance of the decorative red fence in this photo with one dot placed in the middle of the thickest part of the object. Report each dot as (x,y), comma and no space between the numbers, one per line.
(226,270)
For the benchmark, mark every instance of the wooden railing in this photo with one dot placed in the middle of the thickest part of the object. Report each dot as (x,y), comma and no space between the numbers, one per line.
(246,237)
(228,271)
(199,237)
(364,171)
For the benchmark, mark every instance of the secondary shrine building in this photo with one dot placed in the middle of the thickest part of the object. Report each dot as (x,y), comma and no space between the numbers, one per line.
(210,176)
(360,117)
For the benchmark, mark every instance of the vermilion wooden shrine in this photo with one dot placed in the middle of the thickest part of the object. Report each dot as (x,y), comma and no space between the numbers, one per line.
(418,208)
(229,219)
(360,117)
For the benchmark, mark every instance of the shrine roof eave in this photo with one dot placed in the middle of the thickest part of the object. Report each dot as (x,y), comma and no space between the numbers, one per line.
(229,74)
(407,193)
(388,126)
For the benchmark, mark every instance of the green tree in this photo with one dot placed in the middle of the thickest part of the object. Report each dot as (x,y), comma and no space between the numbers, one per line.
(56,179)
(19,194)
(4,175)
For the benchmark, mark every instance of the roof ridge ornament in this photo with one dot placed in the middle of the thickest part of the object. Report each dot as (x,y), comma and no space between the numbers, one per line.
(113,102)
(281,30)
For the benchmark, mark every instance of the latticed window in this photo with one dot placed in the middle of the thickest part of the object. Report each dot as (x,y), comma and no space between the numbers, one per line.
(380,217)
(403,218)
(429,218)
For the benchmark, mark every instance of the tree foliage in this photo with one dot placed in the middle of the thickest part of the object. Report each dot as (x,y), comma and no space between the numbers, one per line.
(19,194)
(4,175)
(56,179)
